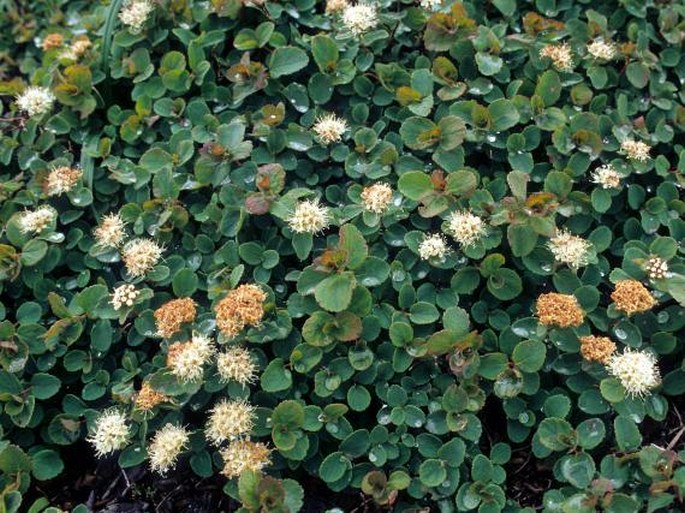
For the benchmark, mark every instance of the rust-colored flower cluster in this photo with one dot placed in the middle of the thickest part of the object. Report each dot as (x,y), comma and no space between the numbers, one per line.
(631,297)
(243,306)
(171,315)
(148,398)
(560,310)
(596,349)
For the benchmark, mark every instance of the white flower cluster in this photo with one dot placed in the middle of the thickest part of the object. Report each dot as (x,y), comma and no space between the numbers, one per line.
(465,227)
(360,18)
(38,220)
(111,432)
(236,364)
(110,233)
(165,447)
(135,13)
(228,420)
(636,150)
(377,197)
(62,179)
(637,371)
(569,249)
(186,360)
(656,268)
(124,295)
(560,55)
(607,177)
(602,50)
(309,217)
(140,256)
(433,247)
(329,128)
(36,100)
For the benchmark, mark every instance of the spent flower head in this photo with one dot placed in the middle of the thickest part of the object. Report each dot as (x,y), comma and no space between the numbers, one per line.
(242,306)
(51,41)
(111,432)
(336,6)
(170,317)
(637,371)
(560,310)
(631,297)
(147,398)
(596,349)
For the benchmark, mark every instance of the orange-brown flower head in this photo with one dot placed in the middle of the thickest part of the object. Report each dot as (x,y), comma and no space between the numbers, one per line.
(631,297)
(148,398)
(597,349)
(171,315)
(560,310)
(52,41)
(243,306)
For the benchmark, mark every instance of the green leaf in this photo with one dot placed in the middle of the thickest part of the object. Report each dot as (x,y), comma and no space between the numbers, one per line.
(529,355)
(287,60)
(628,435)
(638,74)
(549,87)
(185,283)
(335,292)
(432,473)
(44,385)
(505,284)
(578,469)
(504,114)
(612,390)
(33,252)
(353,243)
(415,185)
(522,239)
(276,377)
(334,466)
(556,434)
(325,53)
(46,464)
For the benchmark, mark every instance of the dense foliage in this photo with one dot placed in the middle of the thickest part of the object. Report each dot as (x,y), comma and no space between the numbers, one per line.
(430,251)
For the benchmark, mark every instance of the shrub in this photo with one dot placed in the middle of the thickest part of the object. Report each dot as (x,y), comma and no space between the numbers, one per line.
(429,251)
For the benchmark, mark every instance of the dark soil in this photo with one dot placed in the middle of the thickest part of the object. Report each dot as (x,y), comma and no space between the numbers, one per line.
(106,488)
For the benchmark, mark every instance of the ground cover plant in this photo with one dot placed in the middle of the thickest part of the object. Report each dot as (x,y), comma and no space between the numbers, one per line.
(330,256)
